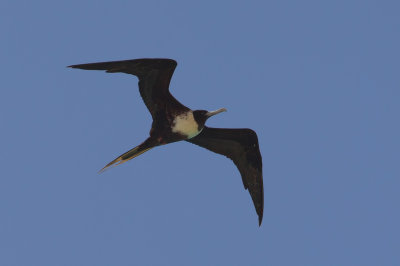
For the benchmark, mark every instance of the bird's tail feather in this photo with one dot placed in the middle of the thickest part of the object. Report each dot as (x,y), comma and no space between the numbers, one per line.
(129,155)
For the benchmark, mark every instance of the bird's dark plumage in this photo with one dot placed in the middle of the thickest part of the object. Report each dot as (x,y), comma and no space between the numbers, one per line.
(172,121)
(154,77)
(241,146)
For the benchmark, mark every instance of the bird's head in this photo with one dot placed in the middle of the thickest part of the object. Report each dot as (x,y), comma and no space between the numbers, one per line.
(201,116)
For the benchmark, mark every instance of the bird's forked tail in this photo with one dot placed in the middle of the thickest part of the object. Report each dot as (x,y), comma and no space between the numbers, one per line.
(138,150)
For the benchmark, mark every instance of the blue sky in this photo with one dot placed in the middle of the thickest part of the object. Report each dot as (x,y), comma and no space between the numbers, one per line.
(317,80)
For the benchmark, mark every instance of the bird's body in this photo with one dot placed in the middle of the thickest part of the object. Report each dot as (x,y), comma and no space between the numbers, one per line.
(185,125)
(172,121)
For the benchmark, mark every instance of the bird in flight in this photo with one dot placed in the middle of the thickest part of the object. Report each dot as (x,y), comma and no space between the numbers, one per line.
(172,121)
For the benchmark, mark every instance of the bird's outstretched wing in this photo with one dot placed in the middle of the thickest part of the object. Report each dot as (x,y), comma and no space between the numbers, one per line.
(154,77)
(241,146)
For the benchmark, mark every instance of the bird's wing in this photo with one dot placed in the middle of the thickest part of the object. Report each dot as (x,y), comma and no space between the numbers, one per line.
(241,146)
(154,77)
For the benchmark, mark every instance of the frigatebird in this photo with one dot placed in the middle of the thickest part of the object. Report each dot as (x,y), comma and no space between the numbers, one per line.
(172,121)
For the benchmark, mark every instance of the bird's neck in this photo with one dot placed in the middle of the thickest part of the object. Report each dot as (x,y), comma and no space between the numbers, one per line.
(185,124)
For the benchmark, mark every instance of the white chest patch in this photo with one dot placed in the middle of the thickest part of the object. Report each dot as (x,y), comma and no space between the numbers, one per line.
(186,125)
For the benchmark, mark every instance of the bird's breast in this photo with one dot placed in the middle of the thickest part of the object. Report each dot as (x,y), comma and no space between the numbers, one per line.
(186,125)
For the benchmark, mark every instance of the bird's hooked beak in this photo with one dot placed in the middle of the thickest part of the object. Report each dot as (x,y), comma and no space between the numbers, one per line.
(209,114)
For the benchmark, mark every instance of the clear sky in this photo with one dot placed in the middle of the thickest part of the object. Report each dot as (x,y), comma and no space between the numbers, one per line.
(317,80)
